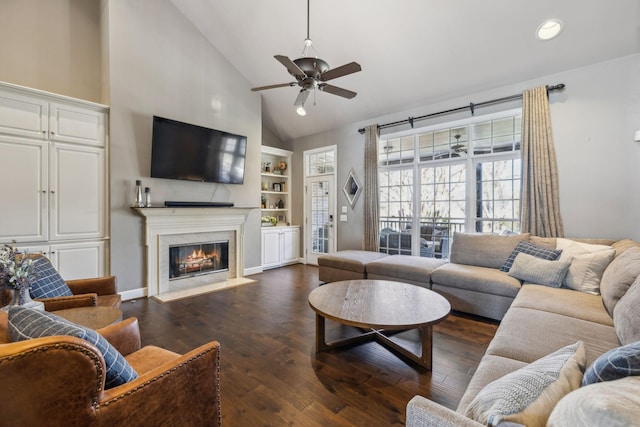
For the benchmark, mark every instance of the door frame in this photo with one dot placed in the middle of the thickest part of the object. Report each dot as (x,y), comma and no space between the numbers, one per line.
(333,182)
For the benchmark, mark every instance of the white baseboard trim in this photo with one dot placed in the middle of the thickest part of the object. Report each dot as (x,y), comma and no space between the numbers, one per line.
(133,294)
(252,270)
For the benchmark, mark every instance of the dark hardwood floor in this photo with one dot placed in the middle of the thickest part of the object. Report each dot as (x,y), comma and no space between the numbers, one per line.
(270,373)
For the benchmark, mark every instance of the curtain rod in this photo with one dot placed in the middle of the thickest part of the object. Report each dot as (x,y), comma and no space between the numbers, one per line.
(472,106)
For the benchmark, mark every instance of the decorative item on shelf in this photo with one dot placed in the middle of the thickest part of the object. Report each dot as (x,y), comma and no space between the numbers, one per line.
(282,218)
(263,202)
(283,186)
(268,221)
(147,197)
(282,165)
(17,273)
(265,186)
(138,201)
(280,204)
(277,186)
(267,167)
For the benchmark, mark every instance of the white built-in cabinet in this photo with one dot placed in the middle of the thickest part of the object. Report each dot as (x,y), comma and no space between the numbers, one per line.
(281,242)
(53,179)
(280,246)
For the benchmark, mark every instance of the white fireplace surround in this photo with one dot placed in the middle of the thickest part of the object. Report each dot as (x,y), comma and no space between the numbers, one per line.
(165,224)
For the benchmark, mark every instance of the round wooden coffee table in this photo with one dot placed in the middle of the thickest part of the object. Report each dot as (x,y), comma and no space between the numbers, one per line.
(378,306)
(91,317)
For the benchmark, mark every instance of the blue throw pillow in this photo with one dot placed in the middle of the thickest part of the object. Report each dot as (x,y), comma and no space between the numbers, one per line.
(614,364)
(530,249)
(49,283)
(26,323)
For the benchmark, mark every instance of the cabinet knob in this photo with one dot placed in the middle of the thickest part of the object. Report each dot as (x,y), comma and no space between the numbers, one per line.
(53,191)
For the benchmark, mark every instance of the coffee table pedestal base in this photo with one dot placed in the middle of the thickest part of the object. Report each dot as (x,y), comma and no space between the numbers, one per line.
(426,334)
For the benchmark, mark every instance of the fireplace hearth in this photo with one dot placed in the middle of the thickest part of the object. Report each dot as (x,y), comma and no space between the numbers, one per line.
(197,259)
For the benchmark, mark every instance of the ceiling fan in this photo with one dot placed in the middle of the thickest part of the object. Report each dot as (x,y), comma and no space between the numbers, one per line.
(312,73)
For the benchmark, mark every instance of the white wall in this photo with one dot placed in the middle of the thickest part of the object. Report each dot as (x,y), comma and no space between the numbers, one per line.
(593,120)
(159,64)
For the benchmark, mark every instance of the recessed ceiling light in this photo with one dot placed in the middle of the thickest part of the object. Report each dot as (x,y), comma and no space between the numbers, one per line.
(549,29)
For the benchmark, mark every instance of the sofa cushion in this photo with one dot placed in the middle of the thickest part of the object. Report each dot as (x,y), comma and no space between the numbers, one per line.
(563,301)
(530,268)
(619,276)
(352,260)
(626,315)
(614,364)
(478,279)
(612,404)
(527,396)
(26,323)
(588,262)
(413,268)
(530,249)
(527,334)
(484,250)
(622,245)
(48,283)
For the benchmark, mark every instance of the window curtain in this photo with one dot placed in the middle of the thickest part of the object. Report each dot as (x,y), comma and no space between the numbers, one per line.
(370,192)
(540,205)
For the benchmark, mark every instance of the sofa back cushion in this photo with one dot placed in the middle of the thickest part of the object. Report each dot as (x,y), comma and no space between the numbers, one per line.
(484,250)
(619,276)
(626,315)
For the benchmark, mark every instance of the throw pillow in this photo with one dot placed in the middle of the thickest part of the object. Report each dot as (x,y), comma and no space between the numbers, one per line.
(626,315)
(26,323)
(528,395)
(588,263)
(622,245)
(531,249)
(611,404)
(483,250)
(48,283)
(619,276)
(614,364)
(530,268)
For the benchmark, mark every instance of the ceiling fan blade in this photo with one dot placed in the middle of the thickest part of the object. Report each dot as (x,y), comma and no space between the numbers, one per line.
(255,89)
(302,97)
(350,68)
(335,90)
(293,69)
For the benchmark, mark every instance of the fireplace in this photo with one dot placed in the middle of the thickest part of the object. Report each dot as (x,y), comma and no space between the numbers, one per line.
(166,228)
(197,259)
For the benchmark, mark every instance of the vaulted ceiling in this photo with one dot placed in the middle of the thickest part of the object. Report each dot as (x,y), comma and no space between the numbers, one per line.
(412,52)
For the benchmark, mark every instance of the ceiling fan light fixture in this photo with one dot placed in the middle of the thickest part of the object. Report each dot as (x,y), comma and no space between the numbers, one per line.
(549,29)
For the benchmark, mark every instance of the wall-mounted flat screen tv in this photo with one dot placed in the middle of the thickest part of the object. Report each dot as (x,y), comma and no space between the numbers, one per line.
(195,153)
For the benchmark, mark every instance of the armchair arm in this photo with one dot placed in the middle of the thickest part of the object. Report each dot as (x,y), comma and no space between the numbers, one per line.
(185,391)
(74,301)
(422,412)
(99,285)
(124,336)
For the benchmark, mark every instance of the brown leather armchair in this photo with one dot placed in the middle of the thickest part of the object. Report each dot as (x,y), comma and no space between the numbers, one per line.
(60,380)
(98,291)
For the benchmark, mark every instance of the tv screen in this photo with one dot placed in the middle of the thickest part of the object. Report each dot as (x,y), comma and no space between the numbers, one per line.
(195,153)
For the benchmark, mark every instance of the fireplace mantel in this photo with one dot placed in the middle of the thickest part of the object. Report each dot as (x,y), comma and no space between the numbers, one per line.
(162,221)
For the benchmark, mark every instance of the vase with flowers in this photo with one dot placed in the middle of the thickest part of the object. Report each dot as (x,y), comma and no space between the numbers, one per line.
(17,272)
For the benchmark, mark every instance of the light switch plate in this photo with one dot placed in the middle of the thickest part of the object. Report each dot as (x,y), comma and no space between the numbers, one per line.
(343,218)
(344,209)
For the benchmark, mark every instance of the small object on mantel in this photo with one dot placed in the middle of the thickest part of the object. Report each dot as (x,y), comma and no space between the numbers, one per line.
(147,197)
(138,201)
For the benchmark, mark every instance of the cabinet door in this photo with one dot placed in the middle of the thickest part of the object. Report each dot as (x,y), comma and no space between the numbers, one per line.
(23,116)
(271,247)
(290,245)
(77,125)
(77,190)
(79,260)
(23,178)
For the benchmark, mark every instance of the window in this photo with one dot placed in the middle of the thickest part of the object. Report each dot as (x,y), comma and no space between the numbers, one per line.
(453,177)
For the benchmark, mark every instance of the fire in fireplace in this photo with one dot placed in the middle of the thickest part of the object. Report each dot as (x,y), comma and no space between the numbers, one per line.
(198,258)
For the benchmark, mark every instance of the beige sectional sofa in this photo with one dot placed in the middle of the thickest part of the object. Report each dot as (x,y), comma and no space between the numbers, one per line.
(537,320)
